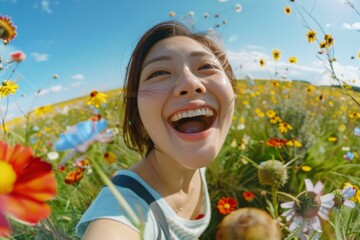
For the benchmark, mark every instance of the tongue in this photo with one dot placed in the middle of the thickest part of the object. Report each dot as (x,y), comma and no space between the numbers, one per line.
(191,127)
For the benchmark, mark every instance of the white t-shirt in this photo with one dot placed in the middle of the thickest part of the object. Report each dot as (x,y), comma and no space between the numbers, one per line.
(105,205)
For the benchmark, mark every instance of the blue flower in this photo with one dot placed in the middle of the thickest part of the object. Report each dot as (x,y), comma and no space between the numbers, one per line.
(357,131)
(79,137)
(349,156)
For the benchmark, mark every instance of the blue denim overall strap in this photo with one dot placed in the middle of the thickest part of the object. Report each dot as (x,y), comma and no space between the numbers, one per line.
(140,190)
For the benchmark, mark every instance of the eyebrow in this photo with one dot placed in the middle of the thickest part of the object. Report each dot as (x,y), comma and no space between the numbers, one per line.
(164,58)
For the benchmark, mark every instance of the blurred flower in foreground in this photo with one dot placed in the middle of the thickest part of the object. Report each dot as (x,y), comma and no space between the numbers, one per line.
(18,56)
(287,10)
(276,142)
(226,205)
(276,54)
(248,224)
(97,99)
(8,87)
(81,136)
(7,29)
(109,157)
(26,182)
(305,213)
(342,197)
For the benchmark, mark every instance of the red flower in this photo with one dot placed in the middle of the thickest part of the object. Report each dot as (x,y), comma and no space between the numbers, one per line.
(249,196)
(74,177)
(226,205)
(26,182)
(17,56)
(276,142)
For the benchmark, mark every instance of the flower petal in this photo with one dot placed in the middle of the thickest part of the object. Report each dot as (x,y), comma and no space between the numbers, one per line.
(287,205)
(318,187)
(26,209)
(309,185)
(5,230)
(295,224)
(349,204)
(348,192)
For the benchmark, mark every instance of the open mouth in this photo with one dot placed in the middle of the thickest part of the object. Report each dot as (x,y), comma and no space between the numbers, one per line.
(193,121)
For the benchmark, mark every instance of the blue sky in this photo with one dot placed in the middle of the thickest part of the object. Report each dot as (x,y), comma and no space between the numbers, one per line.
(87,43)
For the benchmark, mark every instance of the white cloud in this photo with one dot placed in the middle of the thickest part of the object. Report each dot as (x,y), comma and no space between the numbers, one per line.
(52,89)
(223,1)
(76,84)
(353,26)
(45,6)
(78,76)
(40,57)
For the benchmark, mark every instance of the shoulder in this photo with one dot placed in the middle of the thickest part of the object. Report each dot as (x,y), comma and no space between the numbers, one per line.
(106,207)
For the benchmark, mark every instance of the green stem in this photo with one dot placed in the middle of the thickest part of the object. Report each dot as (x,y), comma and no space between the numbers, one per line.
(274,200)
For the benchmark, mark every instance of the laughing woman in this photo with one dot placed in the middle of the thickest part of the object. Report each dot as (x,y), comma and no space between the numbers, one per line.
(179,104)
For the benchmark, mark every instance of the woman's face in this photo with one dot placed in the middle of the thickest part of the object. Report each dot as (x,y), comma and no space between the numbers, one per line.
(185,100)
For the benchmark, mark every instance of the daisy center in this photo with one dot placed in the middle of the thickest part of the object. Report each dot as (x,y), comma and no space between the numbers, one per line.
(7,177)
(309,205)
(227,206)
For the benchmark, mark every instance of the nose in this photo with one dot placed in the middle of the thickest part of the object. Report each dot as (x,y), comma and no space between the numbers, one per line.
(189,84)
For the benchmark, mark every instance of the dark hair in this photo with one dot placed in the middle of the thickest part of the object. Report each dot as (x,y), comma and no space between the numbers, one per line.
(134,132)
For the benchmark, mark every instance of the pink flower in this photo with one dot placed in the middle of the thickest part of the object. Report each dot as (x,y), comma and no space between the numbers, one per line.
(18,56)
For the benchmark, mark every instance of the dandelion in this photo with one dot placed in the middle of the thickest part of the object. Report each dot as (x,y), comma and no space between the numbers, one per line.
(287,10)
(226,205)
(307,211)
(276,142)
(97,99)
(342,197)
(284,127)
(109,157)
(248,196)
(311,36)
(7,29)
(262,62)
(26,182)
(276,54)
(272,172)
(8,87)
(18,56)
(293,60)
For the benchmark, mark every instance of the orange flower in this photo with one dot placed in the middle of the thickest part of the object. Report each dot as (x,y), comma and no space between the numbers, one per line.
(276,142)
(26,182)
(74,177)
(226,205)
(249,196)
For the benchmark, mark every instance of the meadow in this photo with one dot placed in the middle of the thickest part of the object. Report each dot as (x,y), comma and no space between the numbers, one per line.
(313,131)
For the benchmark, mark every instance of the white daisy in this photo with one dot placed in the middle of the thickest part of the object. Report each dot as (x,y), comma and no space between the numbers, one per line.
(342,197)
(304,214)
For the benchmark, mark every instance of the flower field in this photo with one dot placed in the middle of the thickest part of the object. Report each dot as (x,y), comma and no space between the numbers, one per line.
(310,134)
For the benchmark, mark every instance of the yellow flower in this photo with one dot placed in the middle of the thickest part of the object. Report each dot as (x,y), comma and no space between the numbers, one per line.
(275,83)
(359,54)
(323,45)
(310,89)
(275,120)
(109,157)
(262,62)
(43,110)
(342,127)
(306,168)
(356,197)
(276,54)
(97,99)
(293,143)
(259,113)
(332,139)
(8,87)
(7,29)
(270,113)
(172,14)
(287,10)
(293,60)
(329,40)
(311,36)
(284,127)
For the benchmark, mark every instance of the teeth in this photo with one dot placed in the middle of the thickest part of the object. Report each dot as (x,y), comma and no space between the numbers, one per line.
(192,113)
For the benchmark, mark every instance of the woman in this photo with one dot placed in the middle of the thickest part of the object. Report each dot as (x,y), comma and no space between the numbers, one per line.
(179,104)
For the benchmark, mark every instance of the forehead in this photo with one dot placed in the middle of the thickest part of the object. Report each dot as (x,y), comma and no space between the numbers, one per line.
(177,45)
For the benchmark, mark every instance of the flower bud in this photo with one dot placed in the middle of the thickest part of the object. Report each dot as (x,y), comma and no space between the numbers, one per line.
(272,172)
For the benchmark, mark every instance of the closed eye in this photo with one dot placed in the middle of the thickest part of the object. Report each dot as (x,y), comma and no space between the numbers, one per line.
(157,74)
